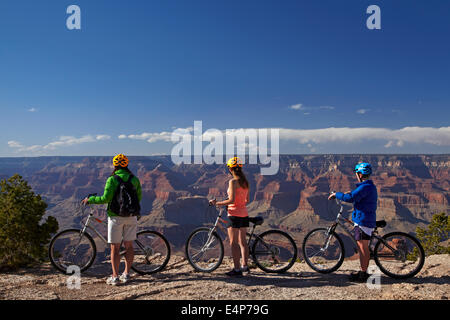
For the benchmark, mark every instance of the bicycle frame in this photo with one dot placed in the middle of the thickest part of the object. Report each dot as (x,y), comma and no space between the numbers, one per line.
(222,224)
(341,221)
(88,226)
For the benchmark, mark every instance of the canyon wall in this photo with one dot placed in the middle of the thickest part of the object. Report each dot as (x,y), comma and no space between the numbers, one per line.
(411,189)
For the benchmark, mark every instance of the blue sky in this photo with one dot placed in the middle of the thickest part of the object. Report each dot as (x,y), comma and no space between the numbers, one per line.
(148,67)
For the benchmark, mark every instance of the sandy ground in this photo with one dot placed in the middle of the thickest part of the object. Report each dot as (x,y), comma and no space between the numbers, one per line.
(179,282)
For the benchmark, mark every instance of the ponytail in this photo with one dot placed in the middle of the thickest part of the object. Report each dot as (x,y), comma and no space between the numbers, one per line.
(243,182)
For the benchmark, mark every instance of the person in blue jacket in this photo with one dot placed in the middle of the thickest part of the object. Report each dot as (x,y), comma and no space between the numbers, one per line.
(364,199)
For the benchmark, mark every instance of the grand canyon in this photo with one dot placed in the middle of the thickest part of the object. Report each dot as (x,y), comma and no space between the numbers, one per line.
(411,189)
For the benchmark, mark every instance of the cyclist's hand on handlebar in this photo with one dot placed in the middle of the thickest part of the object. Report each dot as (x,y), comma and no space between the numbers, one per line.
(332,196)
(85,201)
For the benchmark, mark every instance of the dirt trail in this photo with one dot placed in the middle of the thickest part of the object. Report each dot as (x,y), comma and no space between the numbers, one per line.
(179,282)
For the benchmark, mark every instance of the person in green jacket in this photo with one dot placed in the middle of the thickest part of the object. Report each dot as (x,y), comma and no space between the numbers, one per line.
(119,227)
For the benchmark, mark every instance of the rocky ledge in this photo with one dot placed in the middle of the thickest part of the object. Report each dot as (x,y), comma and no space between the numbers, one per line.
(179,282)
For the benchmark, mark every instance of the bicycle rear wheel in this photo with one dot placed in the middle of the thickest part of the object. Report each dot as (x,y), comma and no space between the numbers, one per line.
(204,250)
(274,251)
(151,252)
(323,251)
(399,255)
(72,248)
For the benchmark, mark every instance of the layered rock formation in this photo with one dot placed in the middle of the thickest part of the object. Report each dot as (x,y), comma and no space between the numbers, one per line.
(411,189)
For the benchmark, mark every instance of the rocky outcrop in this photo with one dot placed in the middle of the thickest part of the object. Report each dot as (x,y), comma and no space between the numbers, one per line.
(411,188)
(179,282)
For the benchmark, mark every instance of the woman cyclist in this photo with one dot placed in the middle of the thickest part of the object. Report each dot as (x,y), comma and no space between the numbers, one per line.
(119,227)
(238,196)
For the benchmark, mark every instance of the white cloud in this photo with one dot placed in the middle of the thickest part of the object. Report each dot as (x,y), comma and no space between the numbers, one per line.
(63,141)
(392,137)
(326,107)
(301,107)
(427,135)
(14,144)
(102,137)
(150,137)
(362,111)
(32,110)
(296,107)
(310,138)
(391,143)
(165,136)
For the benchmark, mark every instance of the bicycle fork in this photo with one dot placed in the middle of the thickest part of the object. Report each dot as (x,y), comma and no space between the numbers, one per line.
(209,241)
(86,225)
(330,232)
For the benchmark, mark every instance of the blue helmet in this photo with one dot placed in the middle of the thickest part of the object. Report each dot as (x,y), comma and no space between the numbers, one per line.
(364,168)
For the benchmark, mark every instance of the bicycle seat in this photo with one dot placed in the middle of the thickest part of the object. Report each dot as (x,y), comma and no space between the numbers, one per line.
(381,224)
(256,220)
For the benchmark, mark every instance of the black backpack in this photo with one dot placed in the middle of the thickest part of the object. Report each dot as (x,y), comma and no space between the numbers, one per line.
(125,202)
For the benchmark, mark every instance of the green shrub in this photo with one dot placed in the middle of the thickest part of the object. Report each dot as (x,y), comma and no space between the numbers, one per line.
(435,235)
(23,236)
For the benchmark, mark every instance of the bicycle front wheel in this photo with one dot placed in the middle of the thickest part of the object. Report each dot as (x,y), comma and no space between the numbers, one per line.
(323,251)
(274,251)
(151,252)
(204,250)
(399,255)
(71,247)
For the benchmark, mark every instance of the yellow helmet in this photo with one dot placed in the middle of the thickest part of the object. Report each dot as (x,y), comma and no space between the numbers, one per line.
(234,162)
(120,161)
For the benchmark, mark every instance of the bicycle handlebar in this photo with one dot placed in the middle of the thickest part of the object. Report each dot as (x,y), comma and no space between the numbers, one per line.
(338,202)
(90,195)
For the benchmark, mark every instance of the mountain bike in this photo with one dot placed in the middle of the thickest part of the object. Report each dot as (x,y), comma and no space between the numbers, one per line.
(397,254)
(273,251)
(77,247)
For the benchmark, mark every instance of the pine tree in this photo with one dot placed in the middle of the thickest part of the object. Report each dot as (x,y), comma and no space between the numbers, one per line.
(23,234)
(434,236)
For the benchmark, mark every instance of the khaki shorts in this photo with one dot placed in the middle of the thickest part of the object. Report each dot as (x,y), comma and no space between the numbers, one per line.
(121,228)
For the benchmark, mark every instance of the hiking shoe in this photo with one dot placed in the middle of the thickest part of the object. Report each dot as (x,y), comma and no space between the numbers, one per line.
(359,276)
(114,281)
(124,277)
(234,273)
(245,269)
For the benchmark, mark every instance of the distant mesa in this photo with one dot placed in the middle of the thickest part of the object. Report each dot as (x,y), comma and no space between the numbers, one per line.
(411,189)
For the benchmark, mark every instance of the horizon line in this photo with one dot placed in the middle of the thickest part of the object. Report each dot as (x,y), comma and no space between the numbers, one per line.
(280,154)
